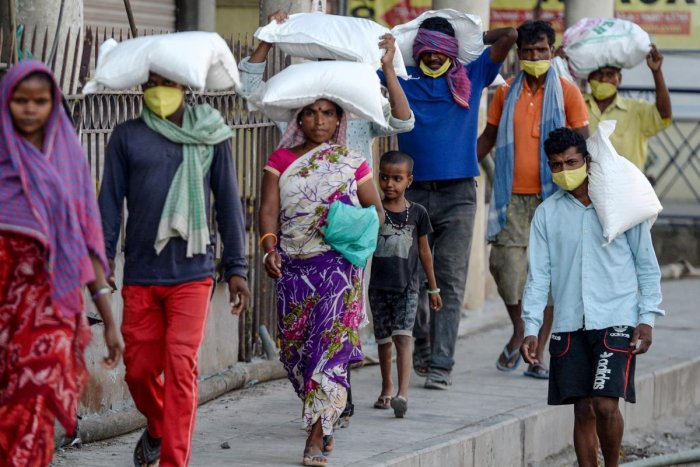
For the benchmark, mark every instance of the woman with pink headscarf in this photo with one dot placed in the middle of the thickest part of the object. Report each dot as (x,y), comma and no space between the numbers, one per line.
(50,247)
(319,292)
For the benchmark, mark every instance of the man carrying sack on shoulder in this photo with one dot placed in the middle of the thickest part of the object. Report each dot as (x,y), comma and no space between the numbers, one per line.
(167,163)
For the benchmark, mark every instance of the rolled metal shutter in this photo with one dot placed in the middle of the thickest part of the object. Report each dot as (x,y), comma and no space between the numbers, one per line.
(151,16)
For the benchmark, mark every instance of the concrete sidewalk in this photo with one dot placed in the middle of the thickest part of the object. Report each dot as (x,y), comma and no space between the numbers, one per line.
(487,418)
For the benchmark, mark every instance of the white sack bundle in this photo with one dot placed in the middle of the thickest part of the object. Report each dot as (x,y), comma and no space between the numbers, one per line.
(201,60)
(621,194)
(353,86)
(593,43)
(468,33)
(562,68)
(318,35)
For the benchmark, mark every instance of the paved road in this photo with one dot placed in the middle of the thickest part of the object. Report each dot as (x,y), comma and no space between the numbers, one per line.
(262,427)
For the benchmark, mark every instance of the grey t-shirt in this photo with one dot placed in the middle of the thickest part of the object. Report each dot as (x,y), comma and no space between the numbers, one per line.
(395,262)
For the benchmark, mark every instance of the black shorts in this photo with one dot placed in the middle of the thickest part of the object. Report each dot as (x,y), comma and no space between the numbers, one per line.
(589,363)
(393,314)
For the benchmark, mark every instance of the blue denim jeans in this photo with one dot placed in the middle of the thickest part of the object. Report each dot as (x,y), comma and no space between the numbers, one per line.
(451,205)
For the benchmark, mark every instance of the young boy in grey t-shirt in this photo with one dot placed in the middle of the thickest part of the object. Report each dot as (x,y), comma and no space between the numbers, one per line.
(393,286)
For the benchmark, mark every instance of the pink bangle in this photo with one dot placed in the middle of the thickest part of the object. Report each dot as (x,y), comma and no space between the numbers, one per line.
(269,234)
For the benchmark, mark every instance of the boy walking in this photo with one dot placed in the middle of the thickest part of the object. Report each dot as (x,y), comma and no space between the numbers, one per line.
(393,286)
(606,299)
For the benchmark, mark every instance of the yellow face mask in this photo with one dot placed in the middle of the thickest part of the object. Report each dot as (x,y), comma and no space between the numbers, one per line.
(435,73)
(602,91)
(163,100)
(535,68)
(569,180)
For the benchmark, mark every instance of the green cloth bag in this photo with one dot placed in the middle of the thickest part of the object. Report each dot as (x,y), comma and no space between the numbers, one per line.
(352,231)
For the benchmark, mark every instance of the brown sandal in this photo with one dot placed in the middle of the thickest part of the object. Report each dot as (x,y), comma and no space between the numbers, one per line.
(383,403)
(318,460)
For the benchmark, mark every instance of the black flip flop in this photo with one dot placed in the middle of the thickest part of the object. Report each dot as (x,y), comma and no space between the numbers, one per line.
(147,450)
(537,371)
(400,406)
(328,444)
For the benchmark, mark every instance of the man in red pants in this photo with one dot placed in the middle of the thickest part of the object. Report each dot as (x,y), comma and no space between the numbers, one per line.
(166,164)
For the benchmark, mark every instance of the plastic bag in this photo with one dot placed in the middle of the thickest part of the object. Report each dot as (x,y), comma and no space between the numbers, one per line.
(201,60)
(318,35)
(593,43)
(352,231)
(353,86)
(468,32)
(621,194)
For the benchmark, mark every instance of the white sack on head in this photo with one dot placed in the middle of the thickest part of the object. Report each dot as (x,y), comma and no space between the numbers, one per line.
(201,60)
(352,85)
(593,43)
(621,194)
(318,35)
(468,32)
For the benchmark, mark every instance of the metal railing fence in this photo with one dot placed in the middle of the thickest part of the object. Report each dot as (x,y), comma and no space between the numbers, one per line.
(255,137)
(673,162)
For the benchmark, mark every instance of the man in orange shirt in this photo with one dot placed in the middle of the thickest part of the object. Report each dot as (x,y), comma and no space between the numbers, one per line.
(522,114)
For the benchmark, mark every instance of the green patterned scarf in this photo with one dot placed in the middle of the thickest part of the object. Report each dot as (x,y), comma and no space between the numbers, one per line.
(185,214)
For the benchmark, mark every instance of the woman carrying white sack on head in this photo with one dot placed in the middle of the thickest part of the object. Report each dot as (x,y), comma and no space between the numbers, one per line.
(360,133)
(319,289)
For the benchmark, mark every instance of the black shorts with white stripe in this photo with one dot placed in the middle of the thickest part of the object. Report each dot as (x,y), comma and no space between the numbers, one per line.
(590,363)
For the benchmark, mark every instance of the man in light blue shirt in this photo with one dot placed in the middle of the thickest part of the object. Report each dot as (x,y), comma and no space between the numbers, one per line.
(606,298)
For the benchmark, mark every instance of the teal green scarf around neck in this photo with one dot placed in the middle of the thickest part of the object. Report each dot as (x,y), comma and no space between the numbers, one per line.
(184,213)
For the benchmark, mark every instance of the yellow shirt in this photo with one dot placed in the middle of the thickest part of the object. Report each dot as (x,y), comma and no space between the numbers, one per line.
(637,121)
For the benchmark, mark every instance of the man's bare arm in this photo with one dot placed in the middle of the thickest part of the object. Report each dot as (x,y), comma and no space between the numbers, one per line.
(501,41)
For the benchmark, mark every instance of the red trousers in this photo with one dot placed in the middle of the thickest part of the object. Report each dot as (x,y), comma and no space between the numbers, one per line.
(163,328)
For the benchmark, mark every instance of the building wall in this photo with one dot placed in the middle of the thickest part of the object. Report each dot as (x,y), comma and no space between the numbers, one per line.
(237,17)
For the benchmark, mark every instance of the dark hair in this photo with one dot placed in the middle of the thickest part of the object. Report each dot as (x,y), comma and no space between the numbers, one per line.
(438,24)
(338,109)
(397,157)
(531,32)
(562,139)
(617,69)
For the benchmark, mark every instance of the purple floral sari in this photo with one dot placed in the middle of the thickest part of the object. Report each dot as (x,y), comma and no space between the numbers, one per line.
(319,296)
(319,302)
